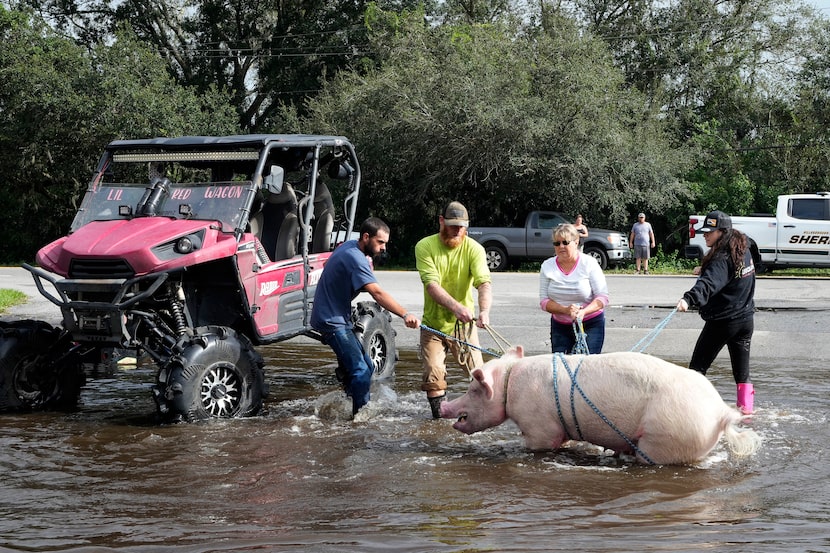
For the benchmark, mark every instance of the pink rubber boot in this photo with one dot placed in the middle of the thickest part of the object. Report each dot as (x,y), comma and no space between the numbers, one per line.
(746,398)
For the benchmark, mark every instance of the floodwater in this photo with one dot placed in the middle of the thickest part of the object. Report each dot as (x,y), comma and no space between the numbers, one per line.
(302,477)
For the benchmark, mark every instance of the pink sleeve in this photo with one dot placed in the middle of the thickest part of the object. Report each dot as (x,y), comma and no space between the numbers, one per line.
(544,304)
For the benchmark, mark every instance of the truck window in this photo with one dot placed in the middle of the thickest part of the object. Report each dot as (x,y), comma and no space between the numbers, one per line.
(549,220)
(809,208)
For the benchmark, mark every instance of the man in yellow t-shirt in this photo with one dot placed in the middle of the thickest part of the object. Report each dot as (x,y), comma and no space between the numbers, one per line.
(451,265)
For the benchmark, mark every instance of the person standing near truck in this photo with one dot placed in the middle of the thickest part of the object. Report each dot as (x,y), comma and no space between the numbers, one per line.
(582,230)
(642,236)
(572,288)
(346,274)
(725,294)
(450,265)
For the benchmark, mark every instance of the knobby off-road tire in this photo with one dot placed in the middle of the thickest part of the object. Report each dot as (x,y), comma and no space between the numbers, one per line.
(215,374)
(373,328)
(39,368)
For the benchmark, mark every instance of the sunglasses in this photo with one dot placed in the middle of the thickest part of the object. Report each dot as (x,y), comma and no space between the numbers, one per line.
(562,243)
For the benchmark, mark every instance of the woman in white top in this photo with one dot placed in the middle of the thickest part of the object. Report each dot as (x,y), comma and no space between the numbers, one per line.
(572,287)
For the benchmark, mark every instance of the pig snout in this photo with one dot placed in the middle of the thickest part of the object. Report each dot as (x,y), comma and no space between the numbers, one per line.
(452,409)
(470,416)
(457,409)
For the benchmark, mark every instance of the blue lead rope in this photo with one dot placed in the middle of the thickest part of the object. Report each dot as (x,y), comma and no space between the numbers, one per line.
(653,333)
(462,342)
(581,342)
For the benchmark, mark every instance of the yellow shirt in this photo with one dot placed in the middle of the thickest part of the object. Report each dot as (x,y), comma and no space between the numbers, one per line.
(456,270)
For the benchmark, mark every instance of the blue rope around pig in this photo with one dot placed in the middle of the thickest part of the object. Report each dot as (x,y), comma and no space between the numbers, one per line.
(575,387)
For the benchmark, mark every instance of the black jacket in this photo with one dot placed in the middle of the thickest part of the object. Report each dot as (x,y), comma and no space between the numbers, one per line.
(723,291)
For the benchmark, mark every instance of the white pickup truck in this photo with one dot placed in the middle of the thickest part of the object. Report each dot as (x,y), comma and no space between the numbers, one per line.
(798,235)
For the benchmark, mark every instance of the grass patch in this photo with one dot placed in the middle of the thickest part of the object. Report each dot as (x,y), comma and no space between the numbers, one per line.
(10,298)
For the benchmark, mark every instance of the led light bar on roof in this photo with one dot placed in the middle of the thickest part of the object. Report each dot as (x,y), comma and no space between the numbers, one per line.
(186,156)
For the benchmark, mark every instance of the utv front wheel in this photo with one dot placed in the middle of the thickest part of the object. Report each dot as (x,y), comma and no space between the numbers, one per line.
(39,368)
(217,374)
(373,328)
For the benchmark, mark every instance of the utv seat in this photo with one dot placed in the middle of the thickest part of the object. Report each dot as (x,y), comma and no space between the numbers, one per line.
(323,219)
(280,225)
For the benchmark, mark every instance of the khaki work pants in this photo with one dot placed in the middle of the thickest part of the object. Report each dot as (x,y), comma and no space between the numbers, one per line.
(433,351)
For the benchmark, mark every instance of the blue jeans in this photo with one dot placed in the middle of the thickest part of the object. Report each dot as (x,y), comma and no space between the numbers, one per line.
(357,364)
(563,339)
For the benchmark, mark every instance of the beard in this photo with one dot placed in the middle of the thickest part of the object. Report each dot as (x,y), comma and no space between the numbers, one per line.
(452,241)
(372,251)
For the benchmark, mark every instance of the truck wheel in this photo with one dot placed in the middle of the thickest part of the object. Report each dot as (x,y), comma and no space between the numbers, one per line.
(373,328)
(39,368)
(215,374)
(496,257)
(760,268)
(598,254)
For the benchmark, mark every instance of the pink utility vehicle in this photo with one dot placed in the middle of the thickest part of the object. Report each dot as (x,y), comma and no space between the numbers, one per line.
(191,251)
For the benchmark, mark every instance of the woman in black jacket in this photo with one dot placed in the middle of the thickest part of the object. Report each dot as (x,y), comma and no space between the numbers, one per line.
(724,293)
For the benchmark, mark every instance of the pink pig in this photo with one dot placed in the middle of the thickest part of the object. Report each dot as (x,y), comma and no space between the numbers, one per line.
(632,403)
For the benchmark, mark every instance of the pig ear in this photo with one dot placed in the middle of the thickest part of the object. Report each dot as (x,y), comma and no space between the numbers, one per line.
(517,351)
(478,374)
(481,378)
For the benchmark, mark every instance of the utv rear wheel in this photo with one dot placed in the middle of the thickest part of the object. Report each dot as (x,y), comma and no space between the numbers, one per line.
(217,374)
(39,368)
(373,328)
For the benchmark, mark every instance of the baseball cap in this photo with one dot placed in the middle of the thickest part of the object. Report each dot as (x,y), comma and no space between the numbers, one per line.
(456,215)
(716,220)
(641,215)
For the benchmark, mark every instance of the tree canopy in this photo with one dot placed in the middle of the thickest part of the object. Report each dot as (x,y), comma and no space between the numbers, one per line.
(504,119)
(59,104)
(604,107)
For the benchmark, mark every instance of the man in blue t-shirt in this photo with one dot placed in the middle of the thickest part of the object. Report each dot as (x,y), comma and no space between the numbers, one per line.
(346,274)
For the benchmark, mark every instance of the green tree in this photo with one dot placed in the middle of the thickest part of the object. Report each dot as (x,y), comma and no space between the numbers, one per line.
(60,104)
(720,72)
(503,118)
(476,11)
(805,166)
(262,54)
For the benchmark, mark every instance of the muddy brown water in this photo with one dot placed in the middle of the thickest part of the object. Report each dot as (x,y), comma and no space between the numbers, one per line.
(303,477)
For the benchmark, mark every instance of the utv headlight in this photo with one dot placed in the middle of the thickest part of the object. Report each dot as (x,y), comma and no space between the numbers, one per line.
(187,244)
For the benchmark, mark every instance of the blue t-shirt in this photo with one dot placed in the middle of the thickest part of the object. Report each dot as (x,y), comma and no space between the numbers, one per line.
(345,274)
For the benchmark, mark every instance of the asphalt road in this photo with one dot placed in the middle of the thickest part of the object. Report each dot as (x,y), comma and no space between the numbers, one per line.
(792,319)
